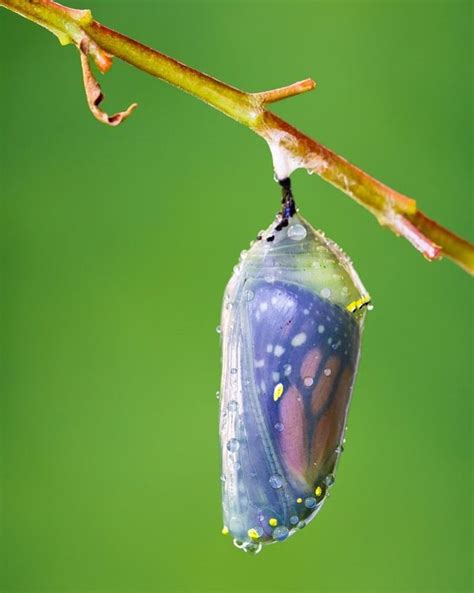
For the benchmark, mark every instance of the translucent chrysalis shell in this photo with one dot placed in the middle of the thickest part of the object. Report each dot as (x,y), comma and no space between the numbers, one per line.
(290,332)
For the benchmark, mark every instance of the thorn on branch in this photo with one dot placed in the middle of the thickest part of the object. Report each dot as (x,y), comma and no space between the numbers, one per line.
(297,88)
(94,93)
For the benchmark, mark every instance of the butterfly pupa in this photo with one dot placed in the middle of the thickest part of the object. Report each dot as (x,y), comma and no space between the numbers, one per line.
(291,324)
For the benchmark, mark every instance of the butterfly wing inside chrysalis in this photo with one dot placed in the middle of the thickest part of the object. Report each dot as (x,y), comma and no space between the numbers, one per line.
(290,352)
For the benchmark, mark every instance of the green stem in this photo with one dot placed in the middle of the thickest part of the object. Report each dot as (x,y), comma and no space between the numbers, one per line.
(291,149)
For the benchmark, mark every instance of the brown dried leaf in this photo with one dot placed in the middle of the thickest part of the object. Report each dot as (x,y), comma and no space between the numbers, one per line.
(94,93)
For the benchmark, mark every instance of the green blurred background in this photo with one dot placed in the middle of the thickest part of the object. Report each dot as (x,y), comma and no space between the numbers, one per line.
(117,245)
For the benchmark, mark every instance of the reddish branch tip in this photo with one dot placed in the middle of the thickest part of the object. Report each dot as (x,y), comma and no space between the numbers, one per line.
(407,229)
(297,88)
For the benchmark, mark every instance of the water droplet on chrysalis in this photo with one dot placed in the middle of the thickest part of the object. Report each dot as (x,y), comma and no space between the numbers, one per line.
(233,445)
(275,481)
(297,232)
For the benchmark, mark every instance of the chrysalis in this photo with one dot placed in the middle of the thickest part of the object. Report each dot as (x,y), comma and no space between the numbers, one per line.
(291,326)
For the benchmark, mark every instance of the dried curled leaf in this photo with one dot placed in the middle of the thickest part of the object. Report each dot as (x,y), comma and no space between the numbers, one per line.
(94,93)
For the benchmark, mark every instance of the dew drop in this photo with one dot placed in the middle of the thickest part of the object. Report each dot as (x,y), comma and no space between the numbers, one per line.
(329,480)
(280,533)
(252,547)
(310,502)
(233,371)
(308,381)
(249,294)
(223,478)
(218,395)
(370,307)
(297,232)
(279,426)
(294,519)
(275,481)
(325,293)
(327,372)
(286,369)
(233,445)
(218,329)
(233,405)
(321,329)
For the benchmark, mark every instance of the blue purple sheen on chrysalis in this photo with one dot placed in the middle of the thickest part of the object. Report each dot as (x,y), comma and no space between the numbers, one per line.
(291,327)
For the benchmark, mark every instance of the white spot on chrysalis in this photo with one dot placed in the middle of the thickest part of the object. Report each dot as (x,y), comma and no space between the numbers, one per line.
(299,339)
(278,351)
(269,348)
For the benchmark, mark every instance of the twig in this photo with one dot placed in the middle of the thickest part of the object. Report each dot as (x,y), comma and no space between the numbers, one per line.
(291,149)
(286,91)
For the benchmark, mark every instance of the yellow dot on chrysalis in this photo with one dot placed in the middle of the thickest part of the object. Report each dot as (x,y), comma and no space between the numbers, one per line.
(253,533)
(273,522)
(356,305)
(277,392)
(318,491)
(299,500)
(225,531)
